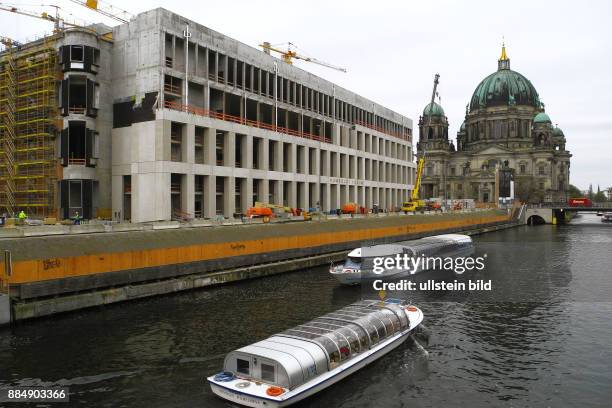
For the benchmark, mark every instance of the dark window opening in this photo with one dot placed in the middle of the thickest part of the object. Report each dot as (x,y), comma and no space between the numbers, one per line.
(76,53)
(267,372)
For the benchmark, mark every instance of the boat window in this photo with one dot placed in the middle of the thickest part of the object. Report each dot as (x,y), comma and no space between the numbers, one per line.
(361,335)
(352,338)
(243,366)
(393,320)
(267,373)
(352,262)
(343,345)
(380,328)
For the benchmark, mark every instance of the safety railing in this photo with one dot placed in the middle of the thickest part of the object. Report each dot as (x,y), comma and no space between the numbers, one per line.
(175,89)
(77,110)
(76,162)
(243,121)
(399,135)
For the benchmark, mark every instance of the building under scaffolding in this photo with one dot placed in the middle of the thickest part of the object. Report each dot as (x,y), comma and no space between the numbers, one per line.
(28,128)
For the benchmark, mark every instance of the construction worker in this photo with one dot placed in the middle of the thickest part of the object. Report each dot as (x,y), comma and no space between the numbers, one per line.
(22,217)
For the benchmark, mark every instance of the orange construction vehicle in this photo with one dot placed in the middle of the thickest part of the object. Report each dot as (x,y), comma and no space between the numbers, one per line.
(350,208)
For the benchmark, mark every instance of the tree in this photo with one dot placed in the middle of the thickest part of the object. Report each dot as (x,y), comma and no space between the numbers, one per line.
(591,195)
(527,191)
(600,197)
(574,192)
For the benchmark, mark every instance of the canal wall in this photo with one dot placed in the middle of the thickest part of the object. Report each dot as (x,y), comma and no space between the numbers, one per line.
(54,274)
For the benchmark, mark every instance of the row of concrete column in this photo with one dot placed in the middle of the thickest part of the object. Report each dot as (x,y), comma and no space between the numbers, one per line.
(330,163)
(295,194)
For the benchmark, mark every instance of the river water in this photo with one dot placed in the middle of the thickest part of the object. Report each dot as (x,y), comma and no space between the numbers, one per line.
(542,337)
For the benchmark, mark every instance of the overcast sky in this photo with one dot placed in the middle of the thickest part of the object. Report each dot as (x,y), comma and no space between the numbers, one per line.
(392,49)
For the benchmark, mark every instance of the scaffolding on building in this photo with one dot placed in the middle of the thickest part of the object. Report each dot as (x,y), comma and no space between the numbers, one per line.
(28,126)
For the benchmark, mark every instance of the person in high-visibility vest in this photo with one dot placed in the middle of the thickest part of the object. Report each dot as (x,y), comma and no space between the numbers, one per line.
(22,217)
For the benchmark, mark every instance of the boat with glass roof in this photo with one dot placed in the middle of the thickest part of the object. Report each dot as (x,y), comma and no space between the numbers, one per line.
(358,265)
(297,363)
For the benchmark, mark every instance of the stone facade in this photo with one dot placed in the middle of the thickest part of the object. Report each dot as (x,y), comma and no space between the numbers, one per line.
(505,127)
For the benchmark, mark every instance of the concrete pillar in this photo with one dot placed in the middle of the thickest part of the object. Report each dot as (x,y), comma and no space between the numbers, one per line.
(336,165)
(278,192)
(210,153)
(210,196)
(247,192)
(305,159)
(229,150)
(278,156)
(229,190)
(247,152)
(292,194)
(292,158)
(263,153)
(324,196)
(265,191)
(188,143)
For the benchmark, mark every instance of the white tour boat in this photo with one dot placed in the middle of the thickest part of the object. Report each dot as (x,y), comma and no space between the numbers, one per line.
(359,262)
(297,363)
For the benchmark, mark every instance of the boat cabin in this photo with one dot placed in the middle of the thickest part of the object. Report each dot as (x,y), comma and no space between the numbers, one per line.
(295,356)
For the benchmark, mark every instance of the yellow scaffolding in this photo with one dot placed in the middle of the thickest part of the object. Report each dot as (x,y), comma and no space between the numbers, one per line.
(28,127)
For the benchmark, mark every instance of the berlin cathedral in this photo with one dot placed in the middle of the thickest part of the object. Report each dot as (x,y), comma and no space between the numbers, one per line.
(505,129)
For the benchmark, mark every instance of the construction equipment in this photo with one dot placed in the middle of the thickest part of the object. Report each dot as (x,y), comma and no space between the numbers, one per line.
(58,23)
(106,9)
(267,210)
(289,55)
(415,203)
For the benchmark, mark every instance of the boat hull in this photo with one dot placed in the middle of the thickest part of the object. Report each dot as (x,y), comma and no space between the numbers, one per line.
(320,383)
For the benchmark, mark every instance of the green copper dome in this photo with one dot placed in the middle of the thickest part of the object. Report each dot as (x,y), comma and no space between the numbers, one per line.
(541,118)
(436,111)
(558,132)
(462,128)
(503,88)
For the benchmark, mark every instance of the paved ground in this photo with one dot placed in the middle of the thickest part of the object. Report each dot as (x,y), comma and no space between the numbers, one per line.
(51,246)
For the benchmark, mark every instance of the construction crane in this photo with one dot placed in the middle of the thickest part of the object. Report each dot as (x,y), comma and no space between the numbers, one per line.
(58,22)
(106,9)
(415,203)
(288,56)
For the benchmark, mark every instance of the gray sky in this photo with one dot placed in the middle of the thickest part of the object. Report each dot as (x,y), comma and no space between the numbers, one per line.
(392,49)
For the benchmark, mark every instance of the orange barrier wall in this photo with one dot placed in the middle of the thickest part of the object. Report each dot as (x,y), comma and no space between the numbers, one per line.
(54,268)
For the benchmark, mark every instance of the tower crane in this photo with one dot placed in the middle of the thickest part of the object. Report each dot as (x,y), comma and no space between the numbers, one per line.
(58,22)
(415,203)
(106,9)
(288,56)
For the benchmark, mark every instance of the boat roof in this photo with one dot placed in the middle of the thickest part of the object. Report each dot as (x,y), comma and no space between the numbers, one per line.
(415,244)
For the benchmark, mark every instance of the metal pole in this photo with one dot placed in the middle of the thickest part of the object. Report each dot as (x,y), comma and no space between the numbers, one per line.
(187,35)
(275,95)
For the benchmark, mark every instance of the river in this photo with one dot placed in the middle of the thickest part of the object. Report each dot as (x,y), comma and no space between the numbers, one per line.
(541,337)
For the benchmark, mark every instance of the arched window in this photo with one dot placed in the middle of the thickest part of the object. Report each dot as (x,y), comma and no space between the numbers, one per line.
(430,134)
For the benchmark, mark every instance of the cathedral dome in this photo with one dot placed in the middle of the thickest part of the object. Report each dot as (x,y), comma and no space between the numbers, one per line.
(558,132)
(541,118)
(503,88)
(436,111)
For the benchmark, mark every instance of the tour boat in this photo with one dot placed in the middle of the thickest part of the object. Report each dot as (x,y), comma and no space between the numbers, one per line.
(299,362)
(359,262)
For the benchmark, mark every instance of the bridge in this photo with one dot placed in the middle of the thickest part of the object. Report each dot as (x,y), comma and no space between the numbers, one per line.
(557,213)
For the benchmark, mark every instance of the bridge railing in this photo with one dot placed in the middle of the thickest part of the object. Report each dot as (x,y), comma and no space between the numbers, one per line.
(603,204)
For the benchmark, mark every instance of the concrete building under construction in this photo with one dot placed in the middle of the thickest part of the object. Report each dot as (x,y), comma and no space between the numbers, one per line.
(161,117)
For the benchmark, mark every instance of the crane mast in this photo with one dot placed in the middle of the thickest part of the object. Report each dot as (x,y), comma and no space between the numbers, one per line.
(415,203)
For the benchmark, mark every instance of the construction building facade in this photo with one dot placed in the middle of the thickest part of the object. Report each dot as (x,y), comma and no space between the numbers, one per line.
(170,119)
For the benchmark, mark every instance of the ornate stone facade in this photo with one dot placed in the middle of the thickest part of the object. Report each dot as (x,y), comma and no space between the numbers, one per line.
(505,127)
